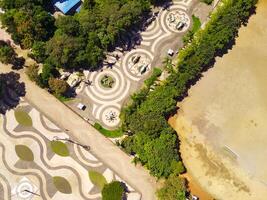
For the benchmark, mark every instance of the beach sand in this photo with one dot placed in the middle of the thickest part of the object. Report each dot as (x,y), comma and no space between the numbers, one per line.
(222,124)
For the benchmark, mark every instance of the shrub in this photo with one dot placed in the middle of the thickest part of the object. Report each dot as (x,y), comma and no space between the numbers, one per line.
(113,191)
(174,188)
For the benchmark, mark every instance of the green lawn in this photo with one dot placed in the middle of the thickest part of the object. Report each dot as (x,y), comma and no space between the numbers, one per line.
(109,133)
(190,34)
(97,179)
(24,153)
(23,118)
(59,148)
(62,185)
(196,24)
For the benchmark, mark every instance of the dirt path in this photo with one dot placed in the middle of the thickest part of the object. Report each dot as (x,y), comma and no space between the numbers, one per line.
(222,124)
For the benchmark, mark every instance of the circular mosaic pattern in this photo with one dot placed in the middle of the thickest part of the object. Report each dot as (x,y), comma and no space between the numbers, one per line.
(25,190)
(107,81)
(102,95)
(110,116)
(137,63)
(176,20)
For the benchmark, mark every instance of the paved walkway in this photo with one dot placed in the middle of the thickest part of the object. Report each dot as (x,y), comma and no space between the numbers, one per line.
(82,132)
(161,35)
(36,175)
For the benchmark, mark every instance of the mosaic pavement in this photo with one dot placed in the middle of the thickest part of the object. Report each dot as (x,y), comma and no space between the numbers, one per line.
(33,177)
(102,101)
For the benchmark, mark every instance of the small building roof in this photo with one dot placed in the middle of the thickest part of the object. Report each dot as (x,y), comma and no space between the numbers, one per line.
(65,5)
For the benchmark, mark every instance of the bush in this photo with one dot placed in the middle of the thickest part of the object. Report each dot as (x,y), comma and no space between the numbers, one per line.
(7,53)
(190,34)
(174,189)
(57,86)
(113,191)
(156,73)
(32,72)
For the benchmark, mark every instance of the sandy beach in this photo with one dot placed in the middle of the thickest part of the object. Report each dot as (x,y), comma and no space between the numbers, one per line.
(222,124)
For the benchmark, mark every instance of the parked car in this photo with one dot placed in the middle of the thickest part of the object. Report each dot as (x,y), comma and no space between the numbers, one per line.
(81,106)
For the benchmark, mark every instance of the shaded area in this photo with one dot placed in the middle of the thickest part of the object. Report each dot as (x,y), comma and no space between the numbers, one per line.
(10,91)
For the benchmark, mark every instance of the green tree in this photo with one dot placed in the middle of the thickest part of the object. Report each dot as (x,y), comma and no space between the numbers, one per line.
(32,72)
(174,189)
(160,153)
(47,72)
(38,52)
(7,53)
(57,86)
(113,191)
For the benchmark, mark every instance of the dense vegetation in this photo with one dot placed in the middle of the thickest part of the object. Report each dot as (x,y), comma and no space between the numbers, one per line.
(151,139)
(7,53)
(196,26)
(69,42)
(27,21)
(78,41)
(174,189)
(113,191)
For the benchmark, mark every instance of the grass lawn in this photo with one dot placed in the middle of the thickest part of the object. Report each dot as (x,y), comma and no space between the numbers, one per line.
(24,153)
(62,185)
(63,99)
(23,118)
(97,179)
(108,133)
(60,148)
(196,24)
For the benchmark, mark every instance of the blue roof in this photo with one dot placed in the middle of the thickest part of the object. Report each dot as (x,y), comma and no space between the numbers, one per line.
(65,5)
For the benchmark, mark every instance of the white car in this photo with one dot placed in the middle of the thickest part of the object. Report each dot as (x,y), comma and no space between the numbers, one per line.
(81,106)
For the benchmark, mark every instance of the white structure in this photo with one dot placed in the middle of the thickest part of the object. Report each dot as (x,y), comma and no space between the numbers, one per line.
(81,106)
(170,52)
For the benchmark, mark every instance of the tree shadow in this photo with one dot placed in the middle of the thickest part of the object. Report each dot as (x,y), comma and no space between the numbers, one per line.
(10,91)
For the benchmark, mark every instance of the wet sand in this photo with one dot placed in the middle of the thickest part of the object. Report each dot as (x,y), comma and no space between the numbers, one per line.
(222,124)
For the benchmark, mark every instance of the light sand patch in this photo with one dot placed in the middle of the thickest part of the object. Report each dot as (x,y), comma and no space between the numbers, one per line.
(223,122)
